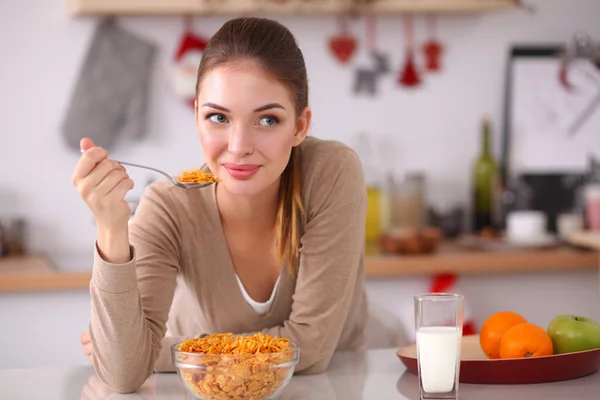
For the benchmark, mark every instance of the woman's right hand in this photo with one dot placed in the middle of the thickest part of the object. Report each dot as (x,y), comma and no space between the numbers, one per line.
(103,184)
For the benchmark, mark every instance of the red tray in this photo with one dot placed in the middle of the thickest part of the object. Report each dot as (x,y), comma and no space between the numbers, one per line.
(475,367)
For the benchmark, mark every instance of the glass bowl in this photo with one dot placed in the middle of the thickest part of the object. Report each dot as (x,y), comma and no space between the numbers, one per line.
(235,376)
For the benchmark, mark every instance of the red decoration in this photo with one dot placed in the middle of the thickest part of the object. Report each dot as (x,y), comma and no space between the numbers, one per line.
(432,49)
(343,46)
(445,283)
(563,77)
(409,76)
(187,60)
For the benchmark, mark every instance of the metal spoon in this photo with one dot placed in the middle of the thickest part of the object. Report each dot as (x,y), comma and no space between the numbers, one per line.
(175,182)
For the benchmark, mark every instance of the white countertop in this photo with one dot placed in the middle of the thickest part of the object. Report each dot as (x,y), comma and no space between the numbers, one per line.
(374,375)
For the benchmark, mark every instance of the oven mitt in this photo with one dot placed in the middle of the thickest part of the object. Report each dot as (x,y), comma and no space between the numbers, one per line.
(111,95)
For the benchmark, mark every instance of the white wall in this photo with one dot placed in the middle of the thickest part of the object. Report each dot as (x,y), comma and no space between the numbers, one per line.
(434,128)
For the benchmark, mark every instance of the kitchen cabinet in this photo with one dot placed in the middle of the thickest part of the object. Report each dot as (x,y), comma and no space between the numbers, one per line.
(284,7)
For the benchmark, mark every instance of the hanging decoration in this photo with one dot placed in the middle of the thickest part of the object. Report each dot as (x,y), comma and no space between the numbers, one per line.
(186,62)
(409,76)
(581,47)
(344,44)
(432,49)
(374,63)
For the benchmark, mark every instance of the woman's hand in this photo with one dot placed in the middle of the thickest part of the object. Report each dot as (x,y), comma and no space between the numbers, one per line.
(103,184)
(86,342)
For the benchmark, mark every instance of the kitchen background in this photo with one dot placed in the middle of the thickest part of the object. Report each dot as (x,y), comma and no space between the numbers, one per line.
(434,128)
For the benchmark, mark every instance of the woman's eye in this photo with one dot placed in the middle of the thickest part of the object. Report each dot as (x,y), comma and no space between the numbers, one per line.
(268,120)
(217,118)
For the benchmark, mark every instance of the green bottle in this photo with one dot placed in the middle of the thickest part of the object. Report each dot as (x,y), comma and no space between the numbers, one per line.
(485,180)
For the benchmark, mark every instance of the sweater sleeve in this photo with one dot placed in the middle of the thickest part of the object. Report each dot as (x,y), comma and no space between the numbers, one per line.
(131,301)
(331,256)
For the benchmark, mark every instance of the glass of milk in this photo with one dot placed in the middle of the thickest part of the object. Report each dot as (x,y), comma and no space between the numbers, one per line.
(438,324)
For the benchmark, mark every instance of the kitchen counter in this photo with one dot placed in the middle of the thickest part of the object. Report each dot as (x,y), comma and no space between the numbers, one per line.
(373,375)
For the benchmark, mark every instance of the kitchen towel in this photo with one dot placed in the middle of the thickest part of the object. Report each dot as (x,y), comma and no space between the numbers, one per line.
(111,95)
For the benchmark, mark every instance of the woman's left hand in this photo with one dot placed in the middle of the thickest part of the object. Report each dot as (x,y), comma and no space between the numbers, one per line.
(86,341)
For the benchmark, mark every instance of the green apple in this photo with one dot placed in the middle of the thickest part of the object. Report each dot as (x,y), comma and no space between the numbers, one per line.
(571,333)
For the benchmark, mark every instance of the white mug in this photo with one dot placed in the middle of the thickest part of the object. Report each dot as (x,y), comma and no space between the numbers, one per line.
(526,225)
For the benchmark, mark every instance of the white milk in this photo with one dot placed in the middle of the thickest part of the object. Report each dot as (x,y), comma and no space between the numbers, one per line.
(438,348)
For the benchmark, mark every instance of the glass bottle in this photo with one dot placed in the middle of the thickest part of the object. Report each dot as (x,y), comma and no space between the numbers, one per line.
(373,180)
(484,183)
(408,202)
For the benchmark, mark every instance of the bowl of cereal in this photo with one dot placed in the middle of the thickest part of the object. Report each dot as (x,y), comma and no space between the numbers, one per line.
(225,366)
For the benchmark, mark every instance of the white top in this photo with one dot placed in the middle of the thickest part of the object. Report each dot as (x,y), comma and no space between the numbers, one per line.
(260,308)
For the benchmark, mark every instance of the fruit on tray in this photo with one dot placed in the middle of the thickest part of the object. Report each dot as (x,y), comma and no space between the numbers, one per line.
(494,328)
(508,334)
(525,340)
(571,333)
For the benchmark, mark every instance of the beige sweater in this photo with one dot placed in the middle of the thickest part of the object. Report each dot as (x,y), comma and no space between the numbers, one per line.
(181,282)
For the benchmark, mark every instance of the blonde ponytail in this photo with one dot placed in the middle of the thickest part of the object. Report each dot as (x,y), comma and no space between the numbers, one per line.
(289,213)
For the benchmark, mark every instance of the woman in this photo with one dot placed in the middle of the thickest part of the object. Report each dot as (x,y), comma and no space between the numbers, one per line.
(276,246)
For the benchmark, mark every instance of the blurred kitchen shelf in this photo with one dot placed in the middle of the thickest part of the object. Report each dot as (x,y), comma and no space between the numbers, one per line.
(34,273)
(586,239)
(451,259)
(290,7)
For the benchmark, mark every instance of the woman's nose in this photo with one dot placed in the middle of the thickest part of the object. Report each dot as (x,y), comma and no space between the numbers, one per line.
(240,142)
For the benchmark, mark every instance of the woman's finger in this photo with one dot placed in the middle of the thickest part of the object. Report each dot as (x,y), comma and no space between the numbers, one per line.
(110,181)
(100,172)
(87,349)
(88,162)
(85,338)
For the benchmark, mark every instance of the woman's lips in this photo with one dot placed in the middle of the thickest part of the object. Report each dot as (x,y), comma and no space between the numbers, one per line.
(241,171)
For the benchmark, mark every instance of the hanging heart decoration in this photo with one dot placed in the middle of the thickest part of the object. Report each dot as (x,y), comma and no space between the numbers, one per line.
(343,45)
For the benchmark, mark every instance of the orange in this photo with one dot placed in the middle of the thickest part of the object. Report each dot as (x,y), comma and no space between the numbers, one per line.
(494,327)
(525,340)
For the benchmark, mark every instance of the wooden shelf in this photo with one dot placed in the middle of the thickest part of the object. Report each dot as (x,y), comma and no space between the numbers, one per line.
(452,260)
(290,7)
(34,273)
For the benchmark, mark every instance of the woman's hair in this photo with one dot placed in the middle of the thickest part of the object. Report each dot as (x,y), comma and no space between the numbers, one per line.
(272,47)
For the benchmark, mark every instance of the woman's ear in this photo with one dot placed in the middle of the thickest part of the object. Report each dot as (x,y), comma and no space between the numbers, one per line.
(302,126)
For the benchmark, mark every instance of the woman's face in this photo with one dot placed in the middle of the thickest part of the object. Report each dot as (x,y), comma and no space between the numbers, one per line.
(248,126)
